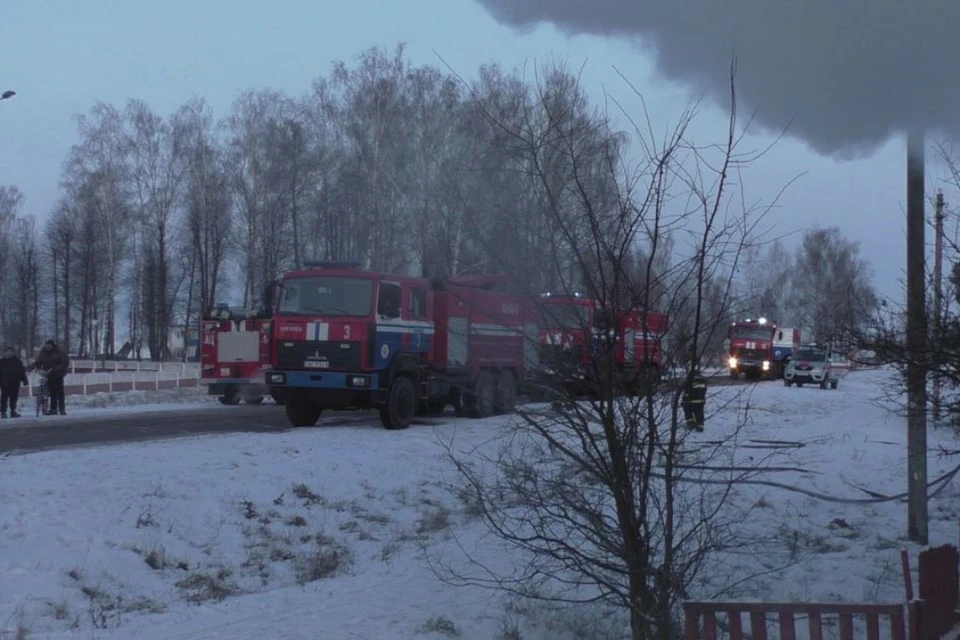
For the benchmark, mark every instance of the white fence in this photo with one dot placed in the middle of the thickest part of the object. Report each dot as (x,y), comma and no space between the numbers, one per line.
(98,366)
(121,380)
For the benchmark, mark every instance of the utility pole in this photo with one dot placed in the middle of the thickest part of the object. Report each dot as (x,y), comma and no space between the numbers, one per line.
(937,302)
(916,343)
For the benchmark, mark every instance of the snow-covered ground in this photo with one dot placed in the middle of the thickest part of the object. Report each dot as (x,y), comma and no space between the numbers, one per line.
(325,532)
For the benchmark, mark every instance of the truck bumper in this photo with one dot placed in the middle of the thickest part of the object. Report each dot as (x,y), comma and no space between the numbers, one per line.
(331,387)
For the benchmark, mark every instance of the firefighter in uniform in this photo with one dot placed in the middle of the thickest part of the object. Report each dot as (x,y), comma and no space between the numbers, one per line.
(694,396)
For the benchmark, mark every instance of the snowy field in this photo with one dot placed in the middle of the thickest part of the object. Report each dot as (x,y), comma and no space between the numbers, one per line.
(326,532)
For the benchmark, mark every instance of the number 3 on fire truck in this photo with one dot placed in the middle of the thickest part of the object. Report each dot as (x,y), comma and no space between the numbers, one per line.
(346,332)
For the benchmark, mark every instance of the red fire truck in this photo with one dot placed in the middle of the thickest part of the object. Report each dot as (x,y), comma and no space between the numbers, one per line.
(565,350)
(346,338)
(234,353)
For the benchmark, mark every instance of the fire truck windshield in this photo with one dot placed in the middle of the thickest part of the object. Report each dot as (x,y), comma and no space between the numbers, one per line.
(751,333)
(326,295)
(566,316)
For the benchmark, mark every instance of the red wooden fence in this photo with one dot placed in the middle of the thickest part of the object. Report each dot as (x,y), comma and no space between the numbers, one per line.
(786,613)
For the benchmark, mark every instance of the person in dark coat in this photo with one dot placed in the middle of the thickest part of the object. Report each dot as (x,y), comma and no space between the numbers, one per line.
(56,363)
(694,396)
(12,375)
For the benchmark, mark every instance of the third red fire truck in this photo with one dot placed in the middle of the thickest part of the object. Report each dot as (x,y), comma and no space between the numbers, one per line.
(574,327)
(347,338)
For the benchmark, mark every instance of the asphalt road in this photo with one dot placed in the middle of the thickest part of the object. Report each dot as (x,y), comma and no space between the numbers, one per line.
(30,434)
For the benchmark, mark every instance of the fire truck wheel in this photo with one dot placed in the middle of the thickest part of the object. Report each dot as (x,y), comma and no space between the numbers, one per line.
(301,413)
(484,398)
(401,406)
(506,392)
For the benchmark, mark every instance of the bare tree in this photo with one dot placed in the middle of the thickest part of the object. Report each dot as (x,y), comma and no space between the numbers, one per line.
(11,201)
(157,176)
(835,295)
(372,113)
(208,217)
(97,170)
(61,233)
(767,281)
(25,266)
(603,497)
(257,130)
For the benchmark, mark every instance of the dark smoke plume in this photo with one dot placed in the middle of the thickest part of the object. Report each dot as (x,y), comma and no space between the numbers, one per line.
(844,74)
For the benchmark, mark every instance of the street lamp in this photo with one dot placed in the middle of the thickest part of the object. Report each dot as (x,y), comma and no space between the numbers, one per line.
(7,94)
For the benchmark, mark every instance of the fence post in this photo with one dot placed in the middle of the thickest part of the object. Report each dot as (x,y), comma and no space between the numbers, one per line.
(84,384)
(915,609)
(907,578)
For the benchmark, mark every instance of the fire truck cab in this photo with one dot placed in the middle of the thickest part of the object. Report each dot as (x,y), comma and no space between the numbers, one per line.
(234,353)
(566,350)
(346,338)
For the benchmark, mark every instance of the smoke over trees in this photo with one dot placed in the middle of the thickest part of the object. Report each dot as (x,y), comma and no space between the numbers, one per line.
(844,76)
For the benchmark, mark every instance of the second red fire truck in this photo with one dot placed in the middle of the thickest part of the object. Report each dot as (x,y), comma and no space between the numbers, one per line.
(346,338)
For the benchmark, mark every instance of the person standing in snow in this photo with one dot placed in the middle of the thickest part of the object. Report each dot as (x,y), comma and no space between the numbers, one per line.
(55,362)
(12,375)
(694,395)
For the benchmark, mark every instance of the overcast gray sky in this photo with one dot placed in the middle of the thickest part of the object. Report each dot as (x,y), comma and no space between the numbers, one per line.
(61,56)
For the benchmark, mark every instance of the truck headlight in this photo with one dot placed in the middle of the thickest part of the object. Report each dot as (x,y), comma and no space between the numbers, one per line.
(766,365)
(732,362)
(276,378)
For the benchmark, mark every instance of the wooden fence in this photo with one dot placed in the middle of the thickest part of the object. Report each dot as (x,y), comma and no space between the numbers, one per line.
(785,614)
(929,616)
